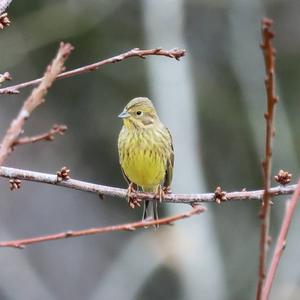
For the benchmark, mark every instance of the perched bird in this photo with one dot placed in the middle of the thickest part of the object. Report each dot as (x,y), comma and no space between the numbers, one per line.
(146,152)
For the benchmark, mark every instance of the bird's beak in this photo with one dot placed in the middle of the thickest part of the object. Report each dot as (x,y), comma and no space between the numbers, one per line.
(124,114)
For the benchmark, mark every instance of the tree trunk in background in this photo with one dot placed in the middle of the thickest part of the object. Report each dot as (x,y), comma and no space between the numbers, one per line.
(247,62)
(131,270)
(193,247)
(27,283)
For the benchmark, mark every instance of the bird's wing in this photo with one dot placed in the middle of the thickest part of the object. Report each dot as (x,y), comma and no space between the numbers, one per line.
(170,162)
(124,175)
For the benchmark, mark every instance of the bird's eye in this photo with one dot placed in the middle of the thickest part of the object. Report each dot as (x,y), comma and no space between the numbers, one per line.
(138,113)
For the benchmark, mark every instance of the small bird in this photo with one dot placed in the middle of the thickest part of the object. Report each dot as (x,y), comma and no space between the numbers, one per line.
(146,152)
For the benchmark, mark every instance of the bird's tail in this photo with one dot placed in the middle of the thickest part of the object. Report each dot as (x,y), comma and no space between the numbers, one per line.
(150,210)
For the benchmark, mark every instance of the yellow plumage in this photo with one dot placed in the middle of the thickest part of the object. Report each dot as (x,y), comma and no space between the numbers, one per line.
(145,149)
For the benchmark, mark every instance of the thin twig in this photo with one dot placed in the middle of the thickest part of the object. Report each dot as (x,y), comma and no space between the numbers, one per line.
(123,227)
(281,242)
(34,100)
(269,58)
(103,190)
(173,53)
(47,136)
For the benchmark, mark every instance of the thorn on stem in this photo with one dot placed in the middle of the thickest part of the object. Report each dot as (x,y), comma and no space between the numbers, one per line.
(284,245)
(158,49)
(69,233)
(129,228)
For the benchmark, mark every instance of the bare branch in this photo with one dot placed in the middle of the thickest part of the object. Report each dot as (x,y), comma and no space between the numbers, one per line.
(136,52)
(281,242)
(48,136)
(103,190)
(123,227)
(4,5)
(272,99)
(34,100)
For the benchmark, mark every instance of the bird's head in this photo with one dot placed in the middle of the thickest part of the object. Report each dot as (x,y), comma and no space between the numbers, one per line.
(139,113)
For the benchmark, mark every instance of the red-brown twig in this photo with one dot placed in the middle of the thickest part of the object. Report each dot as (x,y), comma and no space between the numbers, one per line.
(281,242)
(269,58)
(114,192)
(35,99)
(123,227)
(47,136)
(173,53)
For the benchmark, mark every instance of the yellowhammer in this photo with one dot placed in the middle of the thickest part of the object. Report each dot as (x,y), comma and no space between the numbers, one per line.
(145,152)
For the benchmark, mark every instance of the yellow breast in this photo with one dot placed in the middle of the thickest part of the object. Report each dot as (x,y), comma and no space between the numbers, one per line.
(143,158)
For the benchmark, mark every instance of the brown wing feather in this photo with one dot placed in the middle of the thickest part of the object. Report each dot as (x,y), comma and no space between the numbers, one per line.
(170,163)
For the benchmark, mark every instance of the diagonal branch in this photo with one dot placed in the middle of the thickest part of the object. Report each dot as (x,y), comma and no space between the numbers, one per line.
(281,242)
(124,227)
(35,99)
(103,190)
(48,136)
(136,52)
(272,99)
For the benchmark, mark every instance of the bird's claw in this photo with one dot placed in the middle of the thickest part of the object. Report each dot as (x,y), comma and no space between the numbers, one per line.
(132,199)
(167,190)
(160,193)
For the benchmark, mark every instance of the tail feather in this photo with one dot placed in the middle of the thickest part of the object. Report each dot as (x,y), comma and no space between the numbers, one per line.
(150,211)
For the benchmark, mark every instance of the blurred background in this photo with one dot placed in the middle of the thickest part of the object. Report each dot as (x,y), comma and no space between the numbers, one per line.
(213,101)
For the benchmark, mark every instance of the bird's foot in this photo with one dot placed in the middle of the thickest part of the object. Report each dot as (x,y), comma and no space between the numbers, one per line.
(132,199)
(160,193)
(167,190)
